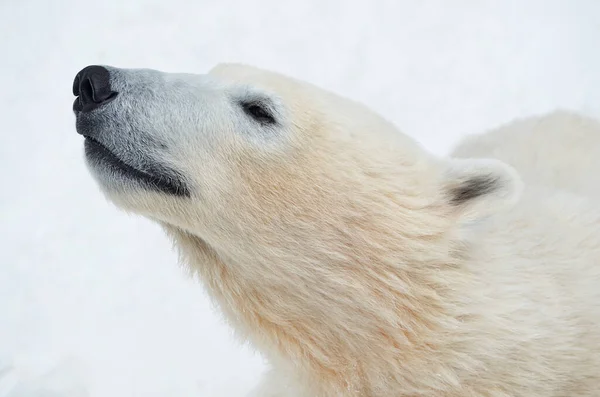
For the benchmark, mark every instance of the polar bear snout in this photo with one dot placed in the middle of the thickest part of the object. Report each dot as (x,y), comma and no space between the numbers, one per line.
(92,88)
(125,152)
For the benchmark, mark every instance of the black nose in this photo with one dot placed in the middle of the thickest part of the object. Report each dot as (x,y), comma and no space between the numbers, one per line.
(92,87)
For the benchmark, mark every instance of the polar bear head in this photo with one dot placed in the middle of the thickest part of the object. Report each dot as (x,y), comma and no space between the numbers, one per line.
(224,152)
(310,218)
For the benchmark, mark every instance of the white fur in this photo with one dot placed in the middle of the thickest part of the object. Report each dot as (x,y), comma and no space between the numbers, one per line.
(358,263)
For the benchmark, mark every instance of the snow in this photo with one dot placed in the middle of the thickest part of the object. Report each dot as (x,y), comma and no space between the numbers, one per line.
(93,301)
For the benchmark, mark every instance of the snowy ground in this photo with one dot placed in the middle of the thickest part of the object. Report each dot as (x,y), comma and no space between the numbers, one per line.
(92,300)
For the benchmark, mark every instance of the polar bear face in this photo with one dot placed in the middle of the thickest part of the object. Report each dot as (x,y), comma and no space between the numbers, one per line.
(245,155)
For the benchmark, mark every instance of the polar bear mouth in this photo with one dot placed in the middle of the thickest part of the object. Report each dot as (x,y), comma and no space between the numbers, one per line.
(159,180)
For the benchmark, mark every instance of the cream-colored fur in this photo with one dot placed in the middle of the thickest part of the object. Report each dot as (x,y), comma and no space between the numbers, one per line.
(361,265)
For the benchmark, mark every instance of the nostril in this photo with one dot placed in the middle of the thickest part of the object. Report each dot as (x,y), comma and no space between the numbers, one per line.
(86,91)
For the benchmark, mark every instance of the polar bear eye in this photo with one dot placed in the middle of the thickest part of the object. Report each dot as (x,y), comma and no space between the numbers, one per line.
(259,112)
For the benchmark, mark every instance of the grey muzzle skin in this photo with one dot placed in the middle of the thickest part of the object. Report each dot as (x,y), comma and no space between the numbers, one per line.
(110,110)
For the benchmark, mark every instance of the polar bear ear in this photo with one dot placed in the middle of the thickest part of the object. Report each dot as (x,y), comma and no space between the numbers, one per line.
(480,187)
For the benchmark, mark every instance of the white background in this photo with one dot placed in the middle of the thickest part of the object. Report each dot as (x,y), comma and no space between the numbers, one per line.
(92,301)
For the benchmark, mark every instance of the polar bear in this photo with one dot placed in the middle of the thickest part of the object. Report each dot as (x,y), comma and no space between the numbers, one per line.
(357,262)
(560,150)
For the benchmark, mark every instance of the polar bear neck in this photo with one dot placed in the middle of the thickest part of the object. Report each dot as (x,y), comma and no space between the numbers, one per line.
(357,322)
